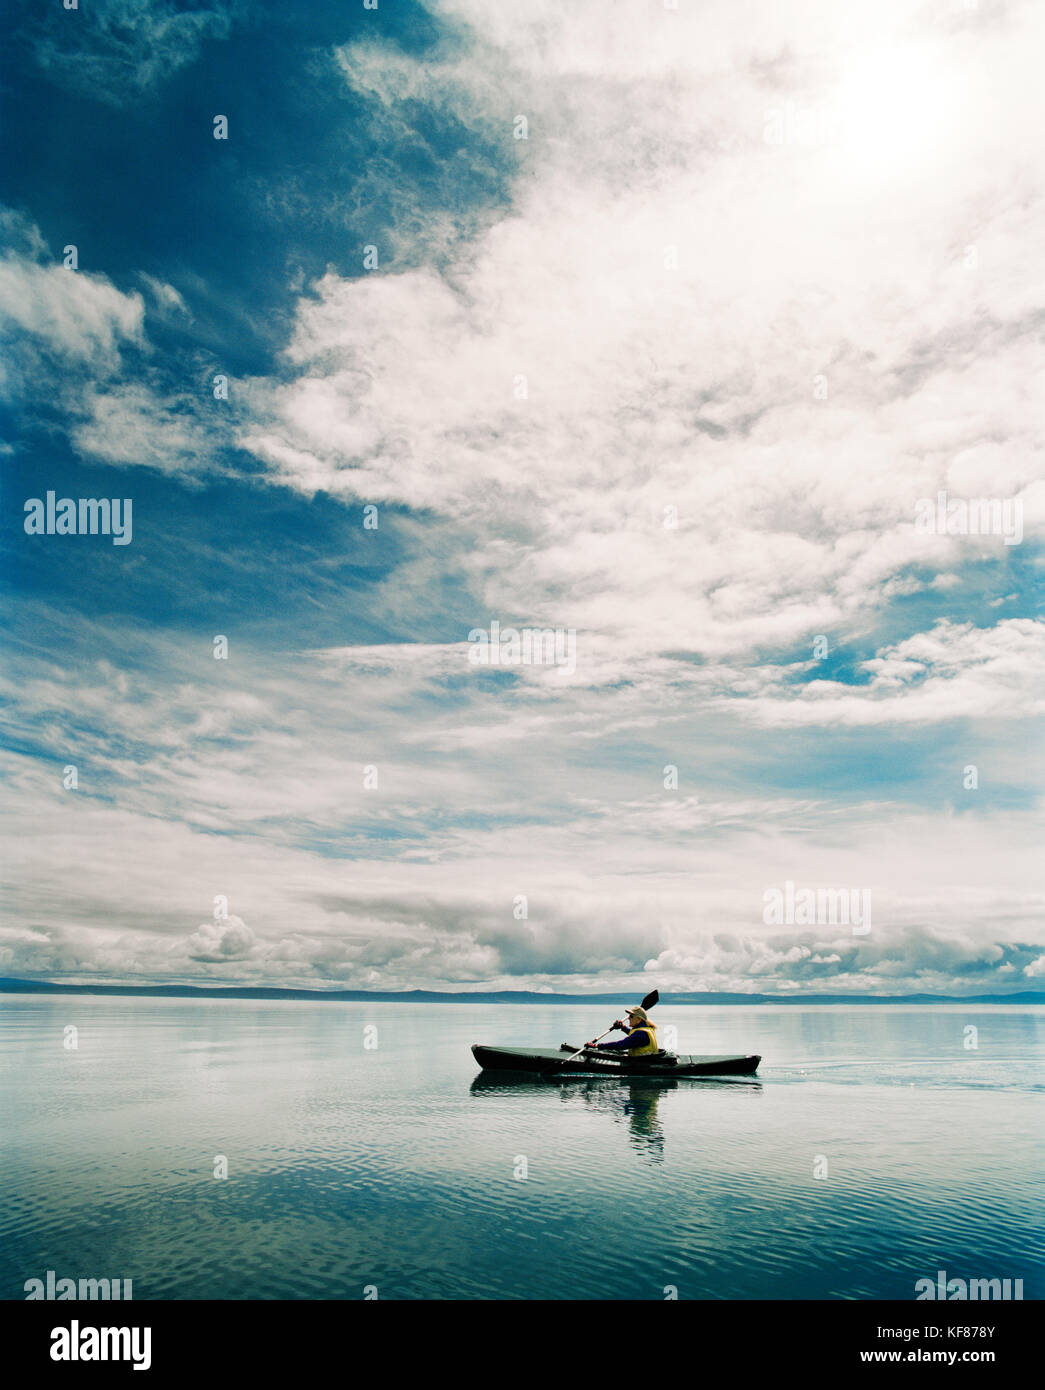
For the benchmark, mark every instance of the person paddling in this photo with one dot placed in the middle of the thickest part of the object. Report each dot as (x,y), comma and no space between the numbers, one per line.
(640,1038)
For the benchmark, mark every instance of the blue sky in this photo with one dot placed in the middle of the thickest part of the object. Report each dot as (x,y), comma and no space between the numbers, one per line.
(771,270)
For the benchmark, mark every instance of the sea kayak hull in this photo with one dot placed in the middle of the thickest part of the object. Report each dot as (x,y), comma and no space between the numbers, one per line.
(552,1060)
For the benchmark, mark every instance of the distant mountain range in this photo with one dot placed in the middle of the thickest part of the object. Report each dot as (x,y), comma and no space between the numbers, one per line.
(421,996)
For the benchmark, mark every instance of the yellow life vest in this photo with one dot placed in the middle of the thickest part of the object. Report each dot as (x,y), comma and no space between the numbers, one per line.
(652,1046)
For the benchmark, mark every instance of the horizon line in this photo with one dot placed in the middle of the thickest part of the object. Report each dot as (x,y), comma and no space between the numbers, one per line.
(24,985)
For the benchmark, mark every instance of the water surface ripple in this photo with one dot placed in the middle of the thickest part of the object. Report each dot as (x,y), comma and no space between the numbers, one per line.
(402,1167)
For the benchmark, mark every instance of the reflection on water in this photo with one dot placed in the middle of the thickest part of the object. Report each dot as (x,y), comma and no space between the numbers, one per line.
(632,1100)
(636,1102)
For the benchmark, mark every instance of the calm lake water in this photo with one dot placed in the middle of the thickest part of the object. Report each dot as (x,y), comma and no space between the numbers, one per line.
(398,1167)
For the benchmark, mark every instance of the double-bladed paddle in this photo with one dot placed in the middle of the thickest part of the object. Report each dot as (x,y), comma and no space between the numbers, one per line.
(647,1003)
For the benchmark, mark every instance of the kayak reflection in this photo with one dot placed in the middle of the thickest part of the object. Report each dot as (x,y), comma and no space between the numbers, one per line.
(634,1101)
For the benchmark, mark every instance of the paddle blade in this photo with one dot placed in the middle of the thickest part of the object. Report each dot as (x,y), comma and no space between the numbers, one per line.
(650,1000)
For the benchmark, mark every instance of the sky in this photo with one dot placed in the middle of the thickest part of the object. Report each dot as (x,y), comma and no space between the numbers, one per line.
(688,331)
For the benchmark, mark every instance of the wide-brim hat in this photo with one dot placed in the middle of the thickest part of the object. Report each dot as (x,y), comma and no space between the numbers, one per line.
(638,1012)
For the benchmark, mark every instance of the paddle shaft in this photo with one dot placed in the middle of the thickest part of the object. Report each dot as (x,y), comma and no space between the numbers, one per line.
(647,1003)
(573,1057)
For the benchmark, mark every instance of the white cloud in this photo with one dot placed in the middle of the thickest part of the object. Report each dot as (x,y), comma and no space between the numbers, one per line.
(251,786)
(115,50)
(167,298)
(690,386)
(82,341)
(603,906)
(131,423)
(956,671)
(220,940)
(79,315)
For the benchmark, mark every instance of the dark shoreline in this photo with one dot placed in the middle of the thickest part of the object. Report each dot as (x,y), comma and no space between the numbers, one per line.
(420,996)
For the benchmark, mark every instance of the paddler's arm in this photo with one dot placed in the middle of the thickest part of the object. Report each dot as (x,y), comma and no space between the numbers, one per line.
(618,1026)
(638,1037)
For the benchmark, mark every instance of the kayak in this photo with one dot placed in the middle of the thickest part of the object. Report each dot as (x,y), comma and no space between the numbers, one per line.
(592,1062)
(501,1081)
